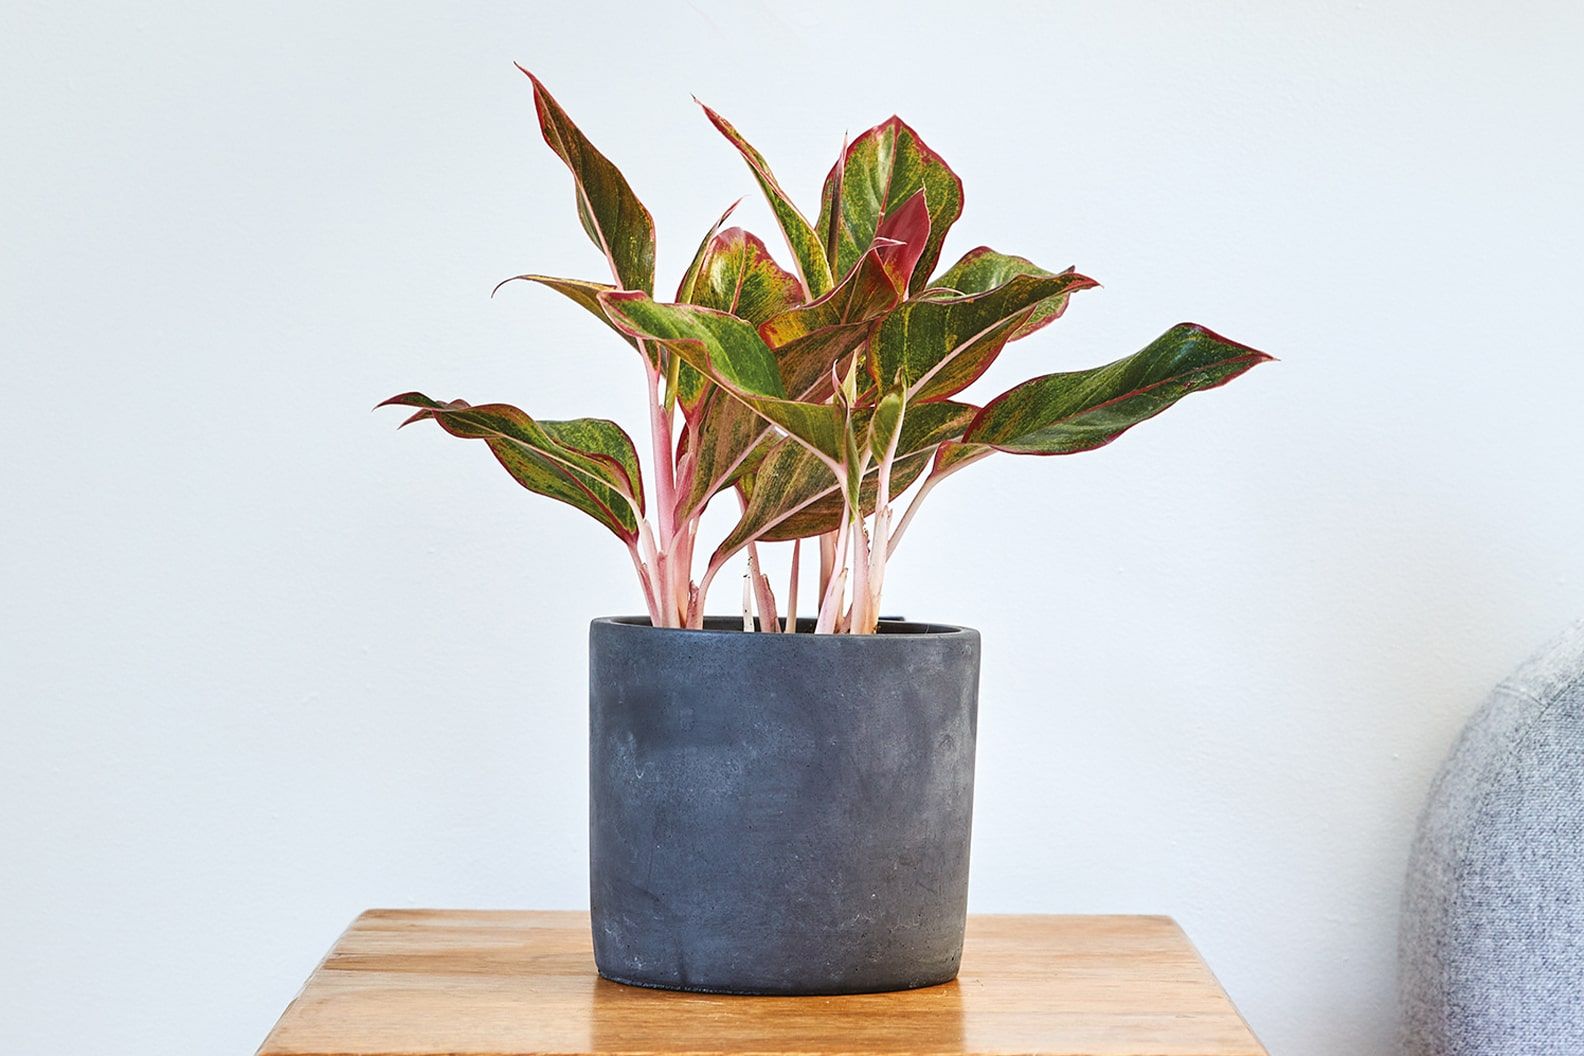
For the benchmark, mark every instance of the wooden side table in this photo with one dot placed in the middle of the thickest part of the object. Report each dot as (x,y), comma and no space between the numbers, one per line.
(472,983)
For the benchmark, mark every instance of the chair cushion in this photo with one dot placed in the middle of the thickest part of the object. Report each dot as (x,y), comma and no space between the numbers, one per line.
(1492,940)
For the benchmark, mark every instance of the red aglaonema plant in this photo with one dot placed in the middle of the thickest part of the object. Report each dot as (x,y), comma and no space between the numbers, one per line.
(820,397)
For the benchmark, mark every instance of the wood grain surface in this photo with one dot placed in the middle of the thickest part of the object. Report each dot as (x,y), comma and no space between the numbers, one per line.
(490,983)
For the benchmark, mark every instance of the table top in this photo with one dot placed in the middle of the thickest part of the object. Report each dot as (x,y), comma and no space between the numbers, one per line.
(420,982)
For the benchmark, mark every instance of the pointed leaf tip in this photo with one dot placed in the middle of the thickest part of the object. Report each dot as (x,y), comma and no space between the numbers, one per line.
(581,292)
(1074,411)
(614,219)
(1201,330)
(808,253)
(409,399)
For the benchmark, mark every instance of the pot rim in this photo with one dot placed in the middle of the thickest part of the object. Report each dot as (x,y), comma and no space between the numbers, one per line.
(722,627)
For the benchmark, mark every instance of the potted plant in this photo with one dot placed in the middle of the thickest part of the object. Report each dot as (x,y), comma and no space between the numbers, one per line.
(780,801)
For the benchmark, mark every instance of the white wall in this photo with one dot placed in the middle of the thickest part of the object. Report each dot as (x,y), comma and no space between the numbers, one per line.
(266,662)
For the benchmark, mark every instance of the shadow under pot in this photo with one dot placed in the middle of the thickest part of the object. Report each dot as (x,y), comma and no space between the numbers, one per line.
(780,813)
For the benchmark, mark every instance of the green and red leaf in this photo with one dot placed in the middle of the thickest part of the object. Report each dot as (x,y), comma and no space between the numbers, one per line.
(737,275)
(807,252)
(801,389)
(690,276)
(936,348)
(878,172)
(728,351)
(682,381)
(796,495)
(723,441)
(875,286)
(613,217)
(807,362)
(589,463)
(1061,414)
(731,437)
(983,269)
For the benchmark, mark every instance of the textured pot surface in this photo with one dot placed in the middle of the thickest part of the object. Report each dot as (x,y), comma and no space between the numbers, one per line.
(780,814)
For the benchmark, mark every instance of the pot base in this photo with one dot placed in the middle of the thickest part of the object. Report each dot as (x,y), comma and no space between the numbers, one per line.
(734,992)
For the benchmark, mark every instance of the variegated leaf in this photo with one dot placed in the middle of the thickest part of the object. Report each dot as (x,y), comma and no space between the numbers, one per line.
(589,463)
(795,495)
(954,454)
(729,352)
(723,439)
(1060,414)
(885,424)
(731,436)
(875,286)
(983,269)
(880,170)
(824,513)
(615,220)
(807,252)
(807,362)
(690,276)
(935,348)
(682,381)
(739,276)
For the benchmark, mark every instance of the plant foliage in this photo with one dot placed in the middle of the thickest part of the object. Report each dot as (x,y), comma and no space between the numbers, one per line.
(822,395)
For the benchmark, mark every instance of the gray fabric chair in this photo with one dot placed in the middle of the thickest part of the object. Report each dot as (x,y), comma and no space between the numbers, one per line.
(1492,942)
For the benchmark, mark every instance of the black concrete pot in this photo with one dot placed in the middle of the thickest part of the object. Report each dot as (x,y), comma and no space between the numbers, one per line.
(780,813)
